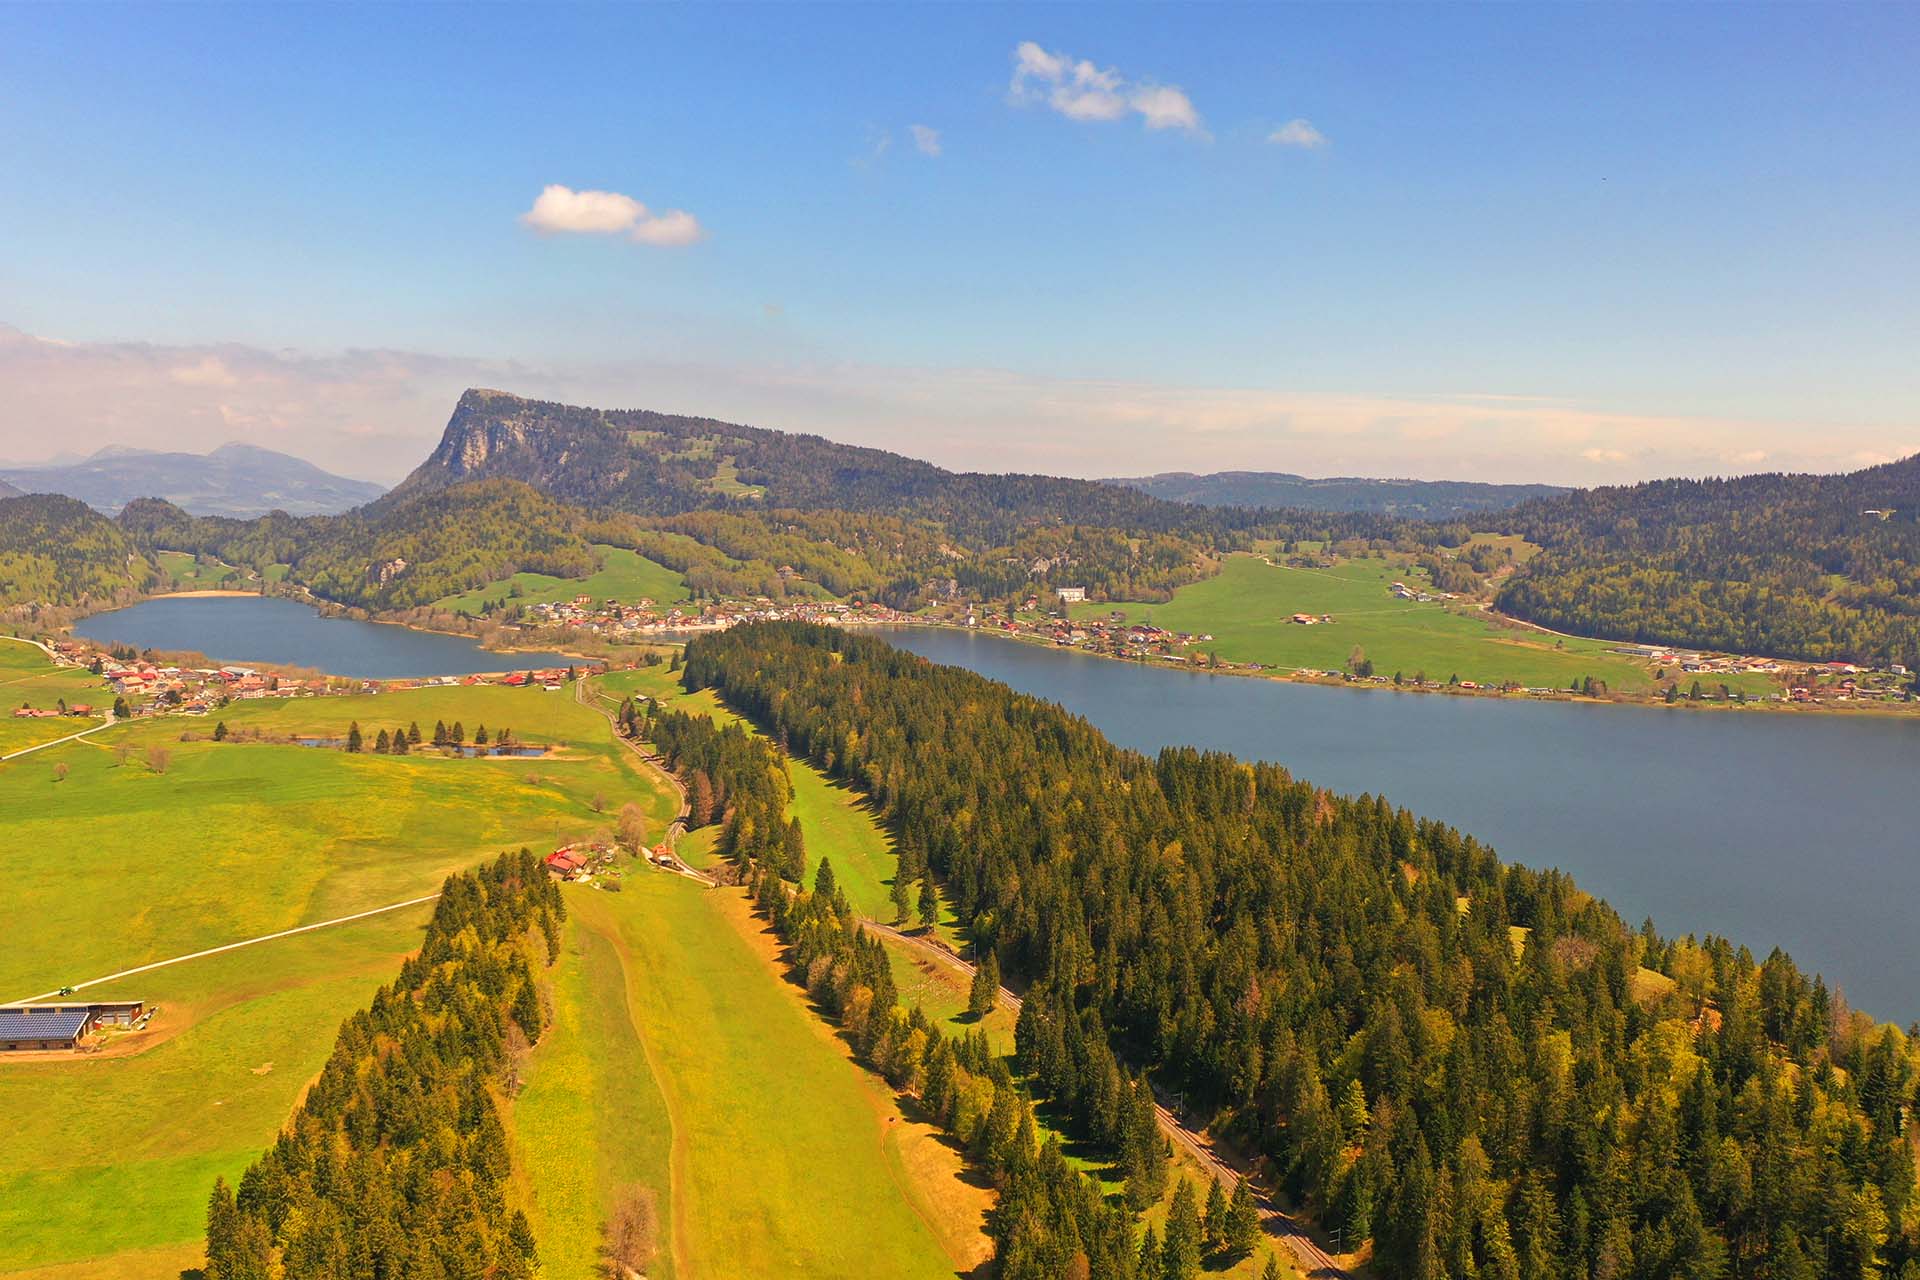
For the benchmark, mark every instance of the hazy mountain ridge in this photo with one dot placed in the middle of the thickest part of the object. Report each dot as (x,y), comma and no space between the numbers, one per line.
(233,480)
(1414,499)
(647,463)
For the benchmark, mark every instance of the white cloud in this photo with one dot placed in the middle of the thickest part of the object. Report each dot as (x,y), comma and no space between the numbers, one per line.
(1298,133)
(560,210)
(925,138)
(1604,455)
(209,372)
(674,227)
(1165,107)
(1080,90)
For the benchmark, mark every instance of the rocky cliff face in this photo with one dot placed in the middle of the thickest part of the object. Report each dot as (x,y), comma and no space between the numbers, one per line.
(492,433)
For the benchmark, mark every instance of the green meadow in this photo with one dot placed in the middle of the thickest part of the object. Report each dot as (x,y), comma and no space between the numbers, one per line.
(624,575)
(111,1153)
(785,1158)
(29,678)
(1249,605)
(590,1125)
(185,572)
(130,859)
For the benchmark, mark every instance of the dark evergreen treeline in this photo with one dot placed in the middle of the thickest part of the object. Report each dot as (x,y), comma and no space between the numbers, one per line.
(1819,567)
(1477,1066)
(396,1163)
(733,775)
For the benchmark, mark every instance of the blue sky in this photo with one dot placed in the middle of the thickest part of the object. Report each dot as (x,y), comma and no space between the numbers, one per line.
(1559,242)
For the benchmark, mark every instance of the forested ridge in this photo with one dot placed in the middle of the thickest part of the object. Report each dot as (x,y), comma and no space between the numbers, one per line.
(396,1163)
(1806,566)
(56,550)
(1338,982)
(1051,1220)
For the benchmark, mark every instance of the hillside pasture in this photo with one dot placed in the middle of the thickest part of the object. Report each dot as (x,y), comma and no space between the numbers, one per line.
(624,575)
(1249,605)
(132,859)
(837,1184)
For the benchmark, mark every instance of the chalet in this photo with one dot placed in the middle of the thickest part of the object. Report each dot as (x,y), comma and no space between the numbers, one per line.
(568,863)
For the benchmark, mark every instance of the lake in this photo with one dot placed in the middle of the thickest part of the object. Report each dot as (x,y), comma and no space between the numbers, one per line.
(1795,830)
(272,632)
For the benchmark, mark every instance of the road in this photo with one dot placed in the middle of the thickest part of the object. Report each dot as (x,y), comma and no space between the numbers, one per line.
(72,737)
(232,946)
(658,767)
(1312,1260)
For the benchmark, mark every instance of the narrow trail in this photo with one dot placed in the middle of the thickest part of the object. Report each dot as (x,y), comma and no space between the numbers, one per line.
(231,946)
(658,767)
(72,737)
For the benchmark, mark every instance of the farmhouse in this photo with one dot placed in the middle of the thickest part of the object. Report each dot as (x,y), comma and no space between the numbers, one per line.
(61,1026)
(1071,595)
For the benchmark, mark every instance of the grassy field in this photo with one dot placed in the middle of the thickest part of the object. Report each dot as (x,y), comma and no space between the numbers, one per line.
(1249,605)
(108,1153)
(624,575)
(183,572)
(29,678)
(786,1159)
(121,864)
(590,1124)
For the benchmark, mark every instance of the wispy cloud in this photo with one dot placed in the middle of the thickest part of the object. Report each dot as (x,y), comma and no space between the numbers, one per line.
(560,210)
(1081,90)
(925,139)
(376,413)
(1298,133)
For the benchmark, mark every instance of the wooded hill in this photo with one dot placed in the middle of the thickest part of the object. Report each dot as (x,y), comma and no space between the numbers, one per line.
(1808,566)
(1477,1066)
(1409,499)
(56,550)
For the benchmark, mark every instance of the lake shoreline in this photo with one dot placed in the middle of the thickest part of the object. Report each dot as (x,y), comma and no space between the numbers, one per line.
(1277,676)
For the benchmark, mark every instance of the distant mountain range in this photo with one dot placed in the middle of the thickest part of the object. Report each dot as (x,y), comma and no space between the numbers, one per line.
(233,480)
(7,490)
(1413,499)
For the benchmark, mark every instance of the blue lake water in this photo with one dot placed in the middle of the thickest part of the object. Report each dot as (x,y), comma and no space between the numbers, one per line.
(1769,828)
(270,631)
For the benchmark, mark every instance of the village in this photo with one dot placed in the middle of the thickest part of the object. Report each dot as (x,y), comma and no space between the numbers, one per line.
(143,687)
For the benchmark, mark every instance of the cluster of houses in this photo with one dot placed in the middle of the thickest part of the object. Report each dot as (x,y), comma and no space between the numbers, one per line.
(641,619)
(576,862)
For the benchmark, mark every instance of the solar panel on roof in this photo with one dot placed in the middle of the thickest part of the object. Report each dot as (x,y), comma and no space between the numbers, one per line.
(63,1024)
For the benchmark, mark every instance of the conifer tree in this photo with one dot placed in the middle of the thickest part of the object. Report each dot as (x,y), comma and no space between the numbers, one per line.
(1215,1220)
(985,992)
(220,732)
(902,897)
(380,744)
(1243,1220)
(413,734)
(929,905)
(439,733)
(1181,1253)
(823,879)
(353,737)
(458,734)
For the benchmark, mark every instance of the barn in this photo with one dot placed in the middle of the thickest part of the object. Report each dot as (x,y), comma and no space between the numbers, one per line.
(43,1028)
